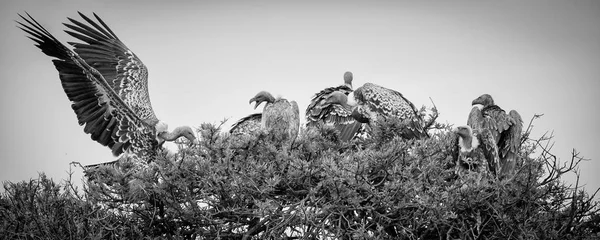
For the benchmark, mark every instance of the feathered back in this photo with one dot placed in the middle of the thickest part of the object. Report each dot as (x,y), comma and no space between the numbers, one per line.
(386,102)
(282,118)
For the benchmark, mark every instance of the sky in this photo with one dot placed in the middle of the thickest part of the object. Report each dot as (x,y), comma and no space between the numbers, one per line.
(206,59)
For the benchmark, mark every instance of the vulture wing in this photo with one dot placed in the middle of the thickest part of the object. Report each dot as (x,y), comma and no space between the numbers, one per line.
(511,143)
(489,148)
(246,125)
(318,110)
(475,120)
(496,120)
(105,115)
(123,70)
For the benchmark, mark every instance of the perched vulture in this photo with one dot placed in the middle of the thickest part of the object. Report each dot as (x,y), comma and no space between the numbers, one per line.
(371,102)
(319,111)
(474,147)
(108,87)
(279,116)
(505,129)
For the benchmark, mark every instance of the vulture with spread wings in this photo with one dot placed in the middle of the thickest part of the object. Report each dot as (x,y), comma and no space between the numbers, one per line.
(108,87)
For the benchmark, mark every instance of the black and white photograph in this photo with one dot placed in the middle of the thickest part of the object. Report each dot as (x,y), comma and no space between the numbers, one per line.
(300,119)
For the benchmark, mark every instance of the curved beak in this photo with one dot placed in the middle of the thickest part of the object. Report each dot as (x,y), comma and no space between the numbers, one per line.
(255,100)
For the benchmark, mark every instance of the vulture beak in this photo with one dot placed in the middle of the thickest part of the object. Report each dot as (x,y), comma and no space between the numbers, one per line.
(461,131)
(254,100)
(257,104)
(485,100)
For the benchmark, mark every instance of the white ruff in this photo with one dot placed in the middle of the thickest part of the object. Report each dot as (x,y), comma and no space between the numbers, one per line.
(480,106)
(474,144)
(161,127)
(351,101)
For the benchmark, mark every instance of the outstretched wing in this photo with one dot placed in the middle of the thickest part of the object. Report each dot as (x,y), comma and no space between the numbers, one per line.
(390,103)
(121,68)
(247,125)
(97,106)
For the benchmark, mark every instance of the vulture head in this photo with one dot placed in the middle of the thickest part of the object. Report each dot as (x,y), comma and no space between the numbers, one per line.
(485,100)
(348,79)
(466,140)
(341,98)
(262,96)
(336,97)
(183,131)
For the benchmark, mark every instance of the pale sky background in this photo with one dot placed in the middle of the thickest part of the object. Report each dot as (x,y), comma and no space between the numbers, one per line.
(206,59)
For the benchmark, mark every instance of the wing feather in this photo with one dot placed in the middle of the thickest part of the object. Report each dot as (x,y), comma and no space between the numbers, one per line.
(318,110)
(475,120)
(123,70)
(247,125)
(97,106)
(490,149)
(390,103)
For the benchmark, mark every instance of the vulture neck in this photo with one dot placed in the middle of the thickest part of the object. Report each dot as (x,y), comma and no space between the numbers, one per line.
(468,143)
(175,134)
(270,99)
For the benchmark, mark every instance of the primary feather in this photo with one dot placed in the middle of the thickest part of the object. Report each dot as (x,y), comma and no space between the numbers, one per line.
(107,85)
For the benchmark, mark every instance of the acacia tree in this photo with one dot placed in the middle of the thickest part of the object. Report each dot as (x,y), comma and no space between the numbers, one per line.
(250,187)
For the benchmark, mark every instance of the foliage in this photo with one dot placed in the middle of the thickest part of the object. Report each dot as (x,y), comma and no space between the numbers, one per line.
(249,187)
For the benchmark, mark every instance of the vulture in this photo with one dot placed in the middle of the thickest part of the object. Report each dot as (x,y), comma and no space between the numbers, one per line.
(321,112)
(505,129)
(475,146)
(280,117)
(107,85)
(370,103)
